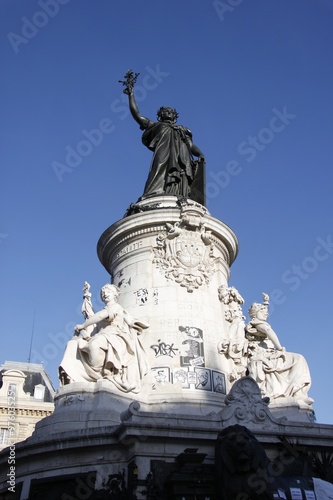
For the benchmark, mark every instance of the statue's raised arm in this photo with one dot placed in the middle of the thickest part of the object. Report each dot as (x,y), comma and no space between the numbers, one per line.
(173,170)
(129,81)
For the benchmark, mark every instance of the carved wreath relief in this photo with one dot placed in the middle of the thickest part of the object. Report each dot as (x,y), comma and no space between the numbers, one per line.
(184,251)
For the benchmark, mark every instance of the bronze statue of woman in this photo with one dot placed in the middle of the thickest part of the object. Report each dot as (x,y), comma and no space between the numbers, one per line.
(173,170)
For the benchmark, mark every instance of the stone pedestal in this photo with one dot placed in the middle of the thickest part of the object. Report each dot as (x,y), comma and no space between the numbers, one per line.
(169,262)
(160,455)
(169,259)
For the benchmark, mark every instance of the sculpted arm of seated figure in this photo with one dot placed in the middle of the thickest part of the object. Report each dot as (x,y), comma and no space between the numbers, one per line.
(268,330)
(96,318)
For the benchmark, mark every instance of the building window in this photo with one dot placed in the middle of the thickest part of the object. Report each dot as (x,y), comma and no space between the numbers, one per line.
(39,391)
(11,389)
(4,435)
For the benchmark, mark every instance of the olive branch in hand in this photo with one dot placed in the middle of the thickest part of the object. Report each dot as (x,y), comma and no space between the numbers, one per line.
(129,82)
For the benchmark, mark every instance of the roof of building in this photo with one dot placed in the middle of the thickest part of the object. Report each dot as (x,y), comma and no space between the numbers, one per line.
(35,375)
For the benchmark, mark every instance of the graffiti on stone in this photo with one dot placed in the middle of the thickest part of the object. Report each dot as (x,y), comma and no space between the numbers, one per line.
(192,346)
(192,377)
(155,296)
(121,280)
(160,375)
(141,296)
(124,283)
(203,379)
(180,375)
(164,349)
(219,382)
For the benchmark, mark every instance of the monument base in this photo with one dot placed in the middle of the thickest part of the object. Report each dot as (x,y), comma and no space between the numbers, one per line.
(148,423)
(95,441)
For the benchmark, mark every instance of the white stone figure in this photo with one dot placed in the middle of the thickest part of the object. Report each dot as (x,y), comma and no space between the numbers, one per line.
(238,343)
(258,328)
(234,347)
(230,294)
(279,374)
(114,352)
(87,307)
(233,367)
(70,368)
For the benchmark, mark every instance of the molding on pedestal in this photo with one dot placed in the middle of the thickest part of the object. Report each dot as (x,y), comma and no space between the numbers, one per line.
(168,219)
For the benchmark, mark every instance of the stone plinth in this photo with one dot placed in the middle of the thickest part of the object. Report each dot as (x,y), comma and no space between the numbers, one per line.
(169,260)
(68,461)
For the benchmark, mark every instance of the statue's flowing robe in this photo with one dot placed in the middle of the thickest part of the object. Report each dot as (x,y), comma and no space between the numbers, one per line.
(114,352)
(280,373)
(172,167)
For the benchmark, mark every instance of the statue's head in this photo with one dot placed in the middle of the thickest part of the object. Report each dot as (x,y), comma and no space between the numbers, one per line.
(260,309)
(108,291)
(167,114)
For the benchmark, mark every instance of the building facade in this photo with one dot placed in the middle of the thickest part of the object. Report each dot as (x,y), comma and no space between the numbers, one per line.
(26,396)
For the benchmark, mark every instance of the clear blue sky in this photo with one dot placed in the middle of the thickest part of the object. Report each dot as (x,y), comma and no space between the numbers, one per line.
(253,80)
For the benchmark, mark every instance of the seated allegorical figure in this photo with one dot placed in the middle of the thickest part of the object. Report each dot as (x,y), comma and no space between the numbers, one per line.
(279,374)
(113,351)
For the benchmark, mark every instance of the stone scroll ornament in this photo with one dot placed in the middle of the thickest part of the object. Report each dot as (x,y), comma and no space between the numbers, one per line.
(173,169)
(184,251)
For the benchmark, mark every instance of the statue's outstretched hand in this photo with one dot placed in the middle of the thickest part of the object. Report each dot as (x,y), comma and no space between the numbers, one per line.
(129,82)
(128,90)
